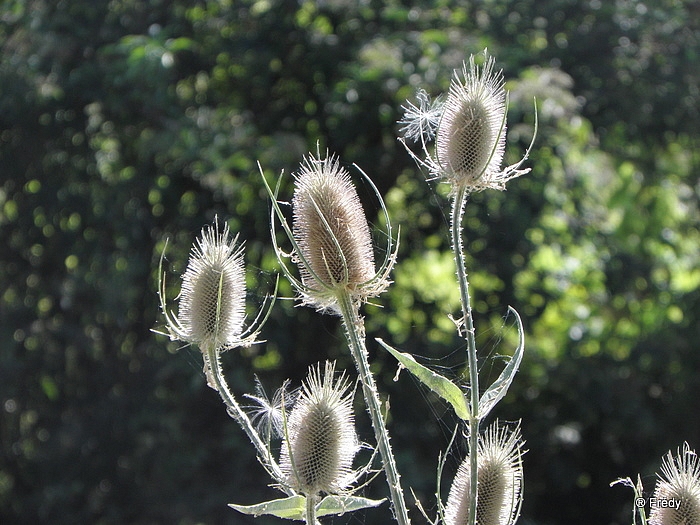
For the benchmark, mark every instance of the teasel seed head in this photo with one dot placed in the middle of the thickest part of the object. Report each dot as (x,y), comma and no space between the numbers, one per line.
(332,239)
(500,478)
(679,482)
(471,130)
(330,226)
(471,136)
(211,309)
(320,441)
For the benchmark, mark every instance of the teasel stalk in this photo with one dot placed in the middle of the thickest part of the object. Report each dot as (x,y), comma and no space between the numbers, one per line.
(466,326)
(678,483)
(333,250)
(499,474)
(469,127)
(320,442)
(211,315)
(470,144)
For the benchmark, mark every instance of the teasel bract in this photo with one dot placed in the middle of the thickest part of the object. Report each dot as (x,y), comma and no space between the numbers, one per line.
(211,308)
(320,442)
(469,127)
(500,479)
(331,238)
(677,492)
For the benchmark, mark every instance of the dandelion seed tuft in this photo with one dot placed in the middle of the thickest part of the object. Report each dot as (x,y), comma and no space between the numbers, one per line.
(211,309)
(500,478)
(267,414)
(678,486)
(320,442)
(420,121)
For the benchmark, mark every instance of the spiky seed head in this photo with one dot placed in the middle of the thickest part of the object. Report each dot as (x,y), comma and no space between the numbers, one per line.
(471,135)
(320,443)
(332,233)
(212,301)
(679,485)
(500,476)
(469,127)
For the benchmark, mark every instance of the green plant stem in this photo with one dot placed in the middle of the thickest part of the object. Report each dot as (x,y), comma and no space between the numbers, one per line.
(311,510)
(467,328)
(216,380)
(354,331)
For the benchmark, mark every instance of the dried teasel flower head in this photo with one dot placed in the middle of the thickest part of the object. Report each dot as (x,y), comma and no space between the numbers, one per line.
(320,441)
(500,478)
(211,310)
(331,237)
(677,492)
(330,226)
(470,134)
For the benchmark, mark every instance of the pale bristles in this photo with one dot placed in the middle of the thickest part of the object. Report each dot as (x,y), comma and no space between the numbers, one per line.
(677,492)
(469,128)
(211,304)
(320,441)
(500,478)
(330,236)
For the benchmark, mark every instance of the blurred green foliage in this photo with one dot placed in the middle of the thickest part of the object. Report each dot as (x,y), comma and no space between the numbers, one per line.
(124,123)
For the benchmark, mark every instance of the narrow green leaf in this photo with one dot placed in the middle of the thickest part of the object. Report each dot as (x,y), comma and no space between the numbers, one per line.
(339,505)
(291,508)
(442,386)
(498,388)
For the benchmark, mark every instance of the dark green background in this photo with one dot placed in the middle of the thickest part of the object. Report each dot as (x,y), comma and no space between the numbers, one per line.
(124,123)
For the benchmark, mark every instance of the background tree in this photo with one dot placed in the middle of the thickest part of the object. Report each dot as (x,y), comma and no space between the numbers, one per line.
(123,123)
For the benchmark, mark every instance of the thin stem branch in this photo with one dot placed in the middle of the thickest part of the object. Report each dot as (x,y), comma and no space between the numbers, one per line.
(217,381)
(354,331)
(467,327)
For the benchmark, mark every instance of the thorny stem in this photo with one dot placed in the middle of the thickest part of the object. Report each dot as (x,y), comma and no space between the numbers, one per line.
(216,380)
(467,329)
(354,331)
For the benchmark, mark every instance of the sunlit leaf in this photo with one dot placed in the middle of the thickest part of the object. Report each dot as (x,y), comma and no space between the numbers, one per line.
(339,505)
(48,385)
(291,508)
(442,386)
(498,388)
